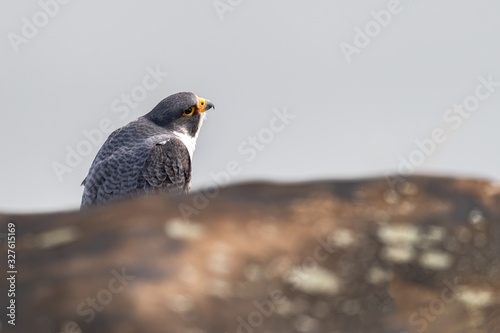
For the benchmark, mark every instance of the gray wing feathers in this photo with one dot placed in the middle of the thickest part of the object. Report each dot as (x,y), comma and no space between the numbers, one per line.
(138,167)
(168,166)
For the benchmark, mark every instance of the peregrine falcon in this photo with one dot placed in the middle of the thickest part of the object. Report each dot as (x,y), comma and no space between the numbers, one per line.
(152,153)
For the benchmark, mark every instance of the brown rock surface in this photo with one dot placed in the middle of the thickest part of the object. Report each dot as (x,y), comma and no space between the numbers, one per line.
(320,257)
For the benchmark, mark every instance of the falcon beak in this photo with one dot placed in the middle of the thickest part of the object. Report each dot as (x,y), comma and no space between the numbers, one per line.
(204,105)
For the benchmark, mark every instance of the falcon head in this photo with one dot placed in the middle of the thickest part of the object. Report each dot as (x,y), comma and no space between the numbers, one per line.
(182,112)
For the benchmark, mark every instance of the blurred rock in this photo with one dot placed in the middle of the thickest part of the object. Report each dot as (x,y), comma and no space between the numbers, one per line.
(320,257)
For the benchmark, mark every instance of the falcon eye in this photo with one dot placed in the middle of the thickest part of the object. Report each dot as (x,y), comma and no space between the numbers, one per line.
(189,112)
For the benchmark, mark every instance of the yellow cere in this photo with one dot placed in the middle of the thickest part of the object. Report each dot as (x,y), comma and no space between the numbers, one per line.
(201,104)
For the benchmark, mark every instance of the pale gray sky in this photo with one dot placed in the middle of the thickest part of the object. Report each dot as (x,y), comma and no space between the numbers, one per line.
(352,119)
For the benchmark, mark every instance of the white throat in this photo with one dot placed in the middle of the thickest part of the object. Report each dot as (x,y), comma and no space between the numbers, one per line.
(188,140)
